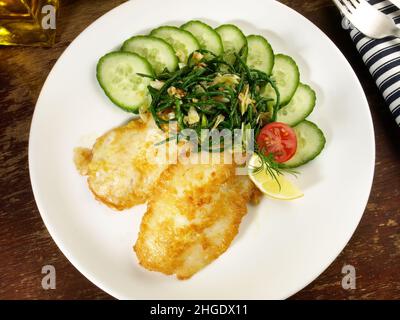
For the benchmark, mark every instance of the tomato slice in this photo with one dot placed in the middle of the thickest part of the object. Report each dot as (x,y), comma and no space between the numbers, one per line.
(279,139)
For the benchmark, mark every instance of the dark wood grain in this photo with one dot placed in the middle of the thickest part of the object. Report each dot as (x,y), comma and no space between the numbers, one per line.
(26,246)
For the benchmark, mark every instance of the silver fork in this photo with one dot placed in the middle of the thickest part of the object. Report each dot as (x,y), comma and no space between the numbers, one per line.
(367,19)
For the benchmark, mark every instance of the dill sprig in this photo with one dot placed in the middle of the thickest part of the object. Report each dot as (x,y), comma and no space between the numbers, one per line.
(269,165)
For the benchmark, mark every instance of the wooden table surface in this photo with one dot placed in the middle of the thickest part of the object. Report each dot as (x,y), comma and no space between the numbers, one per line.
(26,246)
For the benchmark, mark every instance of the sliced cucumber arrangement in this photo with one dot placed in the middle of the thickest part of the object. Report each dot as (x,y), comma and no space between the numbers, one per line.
(226,84)
(117,75)
(158,52)
(260,55)
(310,142)
(182,41)
(208,38)
(299,108)
(233,40)
(287,76)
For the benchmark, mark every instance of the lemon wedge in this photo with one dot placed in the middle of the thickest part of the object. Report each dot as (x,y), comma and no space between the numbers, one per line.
(280,188)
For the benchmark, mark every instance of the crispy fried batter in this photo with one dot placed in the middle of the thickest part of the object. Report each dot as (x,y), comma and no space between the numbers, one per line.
(194,210)
(193,218)
(82,158)
(125,164)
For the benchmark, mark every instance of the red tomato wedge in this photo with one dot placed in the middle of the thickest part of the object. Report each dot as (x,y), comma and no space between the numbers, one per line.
(279,139)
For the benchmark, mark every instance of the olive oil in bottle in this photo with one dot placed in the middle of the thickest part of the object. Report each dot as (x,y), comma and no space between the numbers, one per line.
(28,22)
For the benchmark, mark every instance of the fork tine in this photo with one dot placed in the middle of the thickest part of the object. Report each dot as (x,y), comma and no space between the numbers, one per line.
(367,19)
(363,2)
(354,3)
(343,8)
(349,5)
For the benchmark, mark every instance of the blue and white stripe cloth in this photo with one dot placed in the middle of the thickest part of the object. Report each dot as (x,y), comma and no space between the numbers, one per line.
(382,57)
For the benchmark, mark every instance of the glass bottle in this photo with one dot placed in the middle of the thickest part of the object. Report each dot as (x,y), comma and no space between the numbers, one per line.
(28,22)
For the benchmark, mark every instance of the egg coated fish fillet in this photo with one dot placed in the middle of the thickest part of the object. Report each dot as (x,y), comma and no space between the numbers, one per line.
(193,218)
(125,163)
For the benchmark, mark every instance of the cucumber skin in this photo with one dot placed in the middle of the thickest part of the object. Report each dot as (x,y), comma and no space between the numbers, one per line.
(293,124)
(273,57)
(124,45)
(323,139)
(134,110)
(239,32)
(223,26)
(153,33)
(185,25)
(293,62)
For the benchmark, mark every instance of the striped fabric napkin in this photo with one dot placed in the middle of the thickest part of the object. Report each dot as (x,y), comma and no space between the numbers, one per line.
(382,57)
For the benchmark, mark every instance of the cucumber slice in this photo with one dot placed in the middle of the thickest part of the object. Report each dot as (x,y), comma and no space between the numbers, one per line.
(260,56)
(299,108)
(208,38)
(233,41)
(183,42)
(159,53)
(287,77)
(117,75)
(310,142)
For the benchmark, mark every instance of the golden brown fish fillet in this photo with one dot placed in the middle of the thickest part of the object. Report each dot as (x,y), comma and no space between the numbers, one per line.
(125,164)
(193,218)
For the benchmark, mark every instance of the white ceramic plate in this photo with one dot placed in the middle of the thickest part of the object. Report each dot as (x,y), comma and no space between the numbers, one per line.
(282,246)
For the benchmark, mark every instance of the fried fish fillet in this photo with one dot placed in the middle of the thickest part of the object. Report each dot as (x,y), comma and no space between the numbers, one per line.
(193,218)
(125,164)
